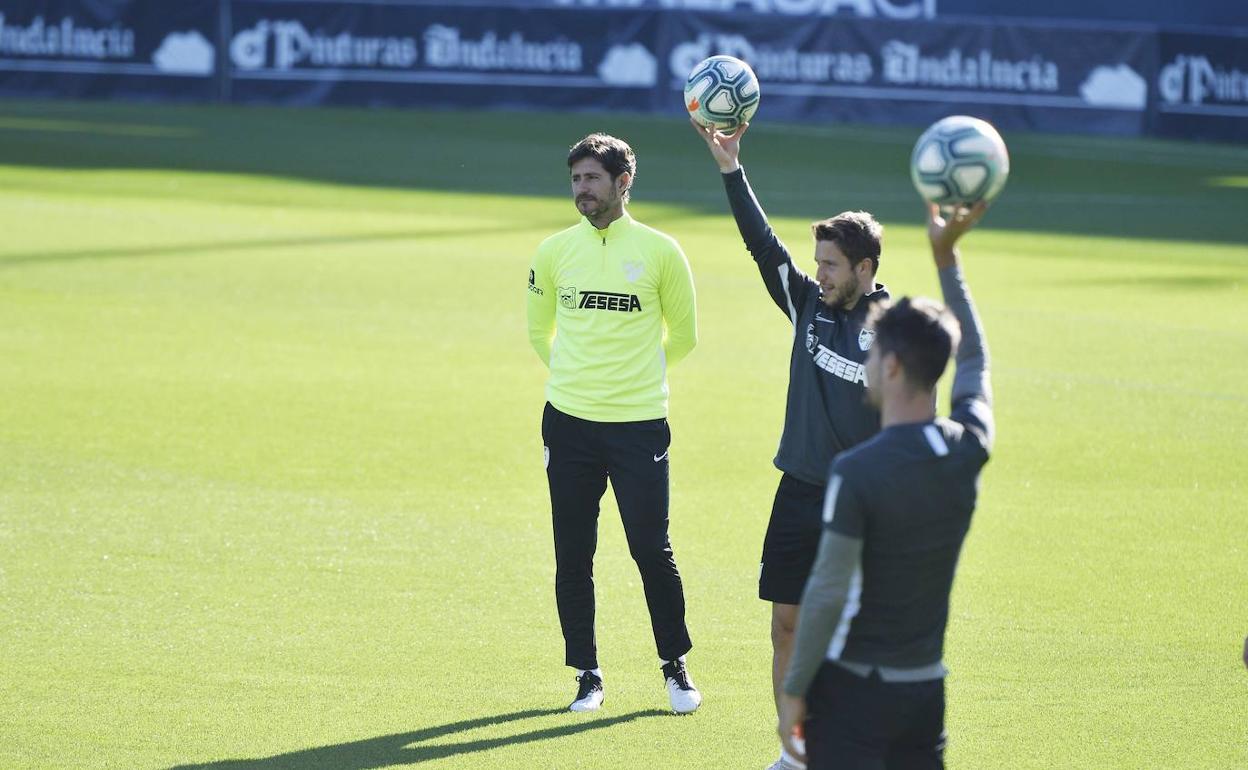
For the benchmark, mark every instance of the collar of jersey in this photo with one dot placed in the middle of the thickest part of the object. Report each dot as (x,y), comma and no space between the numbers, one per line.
(863,306)
(880,292)
(614,230)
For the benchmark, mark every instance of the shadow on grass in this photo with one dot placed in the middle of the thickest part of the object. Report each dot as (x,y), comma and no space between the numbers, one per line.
(397,749)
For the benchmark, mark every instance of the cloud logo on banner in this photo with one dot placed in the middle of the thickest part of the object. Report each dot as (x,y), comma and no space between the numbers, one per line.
(185,53)
(1119,88)
(629,65)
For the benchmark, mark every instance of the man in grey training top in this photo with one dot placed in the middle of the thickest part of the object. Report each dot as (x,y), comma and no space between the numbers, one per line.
(826,410)
(866,677)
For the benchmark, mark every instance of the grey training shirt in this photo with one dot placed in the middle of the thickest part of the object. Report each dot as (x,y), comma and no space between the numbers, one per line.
(898,508)
(826,411)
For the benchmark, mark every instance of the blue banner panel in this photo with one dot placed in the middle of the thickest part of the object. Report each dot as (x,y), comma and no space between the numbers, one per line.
(1202,87)
(1189,13)
(1035,78)
(415,55)
(76,48)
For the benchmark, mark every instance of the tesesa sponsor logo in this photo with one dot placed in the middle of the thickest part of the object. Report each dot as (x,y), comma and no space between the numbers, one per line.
(598,300)
(607,300)
(834,363)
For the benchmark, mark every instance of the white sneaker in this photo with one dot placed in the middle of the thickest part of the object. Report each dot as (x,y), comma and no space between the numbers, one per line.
(589,695)
(785,762)
(684,697)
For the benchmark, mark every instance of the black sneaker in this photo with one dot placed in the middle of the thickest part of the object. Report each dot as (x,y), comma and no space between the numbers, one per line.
(684,697)
(589,694)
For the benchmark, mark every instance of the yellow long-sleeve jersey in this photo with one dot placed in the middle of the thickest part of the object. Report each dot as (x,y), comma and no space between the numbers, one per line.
(599,302)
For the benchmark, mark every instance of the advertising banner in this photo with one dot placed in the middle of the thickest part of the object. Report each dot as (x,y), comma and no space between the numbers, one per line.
(864,61)
(1045,79)
(1168,13)
(141,49)
(1202,87)
(907,10)
(417,55)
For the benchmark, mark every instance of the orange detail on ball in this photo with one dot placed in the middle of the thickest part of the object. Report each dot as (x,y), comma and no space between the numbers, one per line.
(693,105)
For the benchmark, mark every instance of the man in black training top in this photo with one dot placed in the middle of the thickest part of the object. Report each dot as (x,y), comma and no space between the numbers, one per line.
(826,410)
(866,674)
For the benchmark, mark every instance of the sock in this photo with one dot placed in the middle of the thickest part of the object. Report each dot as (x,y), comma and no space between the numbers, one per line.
(595,671)
(665,662)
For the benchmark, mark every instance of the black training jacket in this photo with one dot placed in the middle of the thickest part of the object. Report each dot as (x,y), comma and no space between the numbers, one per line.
(826,411)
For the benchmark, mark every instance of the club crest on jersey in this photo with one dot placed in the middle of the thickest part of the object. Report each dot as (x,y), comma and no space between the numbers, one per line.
(633,270)
(567,297)
(865,338)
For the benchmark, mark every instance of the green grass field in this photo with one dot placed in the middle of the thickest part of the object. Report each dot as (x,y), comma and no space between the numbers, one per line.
(271,488)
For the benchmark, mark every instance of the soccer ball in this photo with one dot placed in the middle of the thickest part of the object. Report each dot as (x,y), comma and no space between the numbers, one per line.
(722,93)
(959,161)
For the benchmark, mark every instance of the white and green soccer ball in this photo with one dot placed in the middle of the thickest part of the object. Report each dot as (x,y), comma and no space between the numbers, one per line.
(722,93)
(959,161)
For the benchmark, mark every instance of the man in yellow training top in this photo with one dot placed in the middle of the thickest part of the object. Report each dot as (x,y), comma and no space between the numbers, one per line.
(602,293)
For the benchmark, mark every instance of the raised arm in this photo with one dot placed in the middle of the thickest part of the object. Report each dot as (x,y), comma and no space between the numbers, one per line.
(972,387)
(787,285)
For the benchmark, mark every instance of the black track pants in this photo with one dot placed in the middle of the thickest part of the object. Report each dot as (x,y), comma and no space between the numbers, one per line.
(581,456)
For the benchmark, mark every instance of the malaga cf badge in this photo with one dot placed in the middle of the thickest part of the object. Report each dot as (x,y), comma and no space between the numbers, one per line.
(865,338)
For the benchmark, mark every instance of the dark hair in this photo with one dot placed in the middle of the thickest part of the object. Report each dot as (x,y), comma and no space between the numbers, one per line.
(856,233)
(614,154)
(921,332)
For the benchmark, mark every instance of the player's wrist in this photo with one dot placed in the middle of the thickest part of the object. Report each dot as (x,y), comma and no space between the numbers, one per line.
(945,256)
(730,168)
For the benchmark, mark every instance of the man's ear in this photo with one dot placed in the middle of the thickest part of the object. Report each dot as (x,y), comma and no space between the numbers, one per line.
(891,364)
(623,182)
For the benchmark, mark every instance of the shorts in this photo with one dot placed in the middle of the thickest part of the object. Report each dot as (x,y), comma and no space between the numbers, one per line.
(792,541)
(864,722)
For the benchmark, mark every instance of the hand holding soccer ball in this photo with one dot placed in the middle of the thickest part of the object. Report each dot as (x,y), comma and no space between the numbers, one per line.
(725,148)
